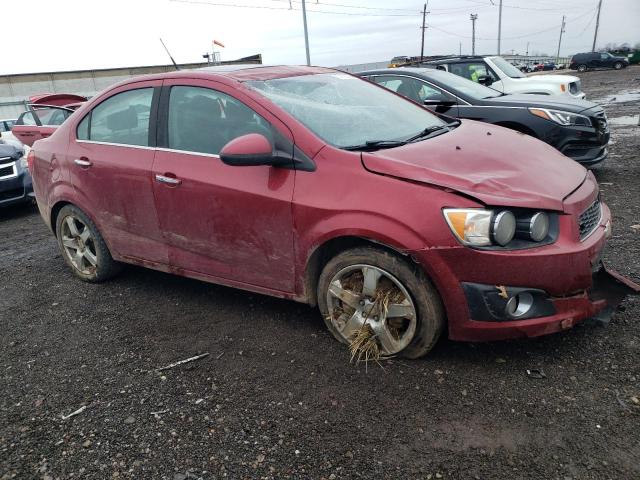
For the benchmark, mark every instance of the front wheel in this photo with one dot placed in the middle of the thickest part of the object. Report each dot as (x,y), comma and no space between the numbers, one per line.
(617,65)
(371,289)
(82,246)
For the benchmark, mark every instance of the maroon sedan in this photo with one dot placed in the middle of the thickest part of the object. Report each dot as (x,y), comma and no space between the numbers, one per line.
(311,184)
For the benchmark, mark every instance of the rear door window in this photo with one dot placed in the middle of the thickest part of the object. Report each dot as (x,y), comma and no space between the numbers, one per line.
(203,120)
(26,118)
(122,119)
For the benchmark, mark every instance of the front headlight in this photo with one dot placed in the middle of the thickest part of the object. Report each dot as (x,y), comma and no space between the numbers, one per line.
(477,227)
(23,162)
(562,118)
(481,228)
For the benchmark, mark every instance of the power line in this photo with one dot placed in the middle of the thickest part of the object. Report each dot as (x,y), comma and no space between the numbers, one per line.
(266,7)
(514,37)
(343,5)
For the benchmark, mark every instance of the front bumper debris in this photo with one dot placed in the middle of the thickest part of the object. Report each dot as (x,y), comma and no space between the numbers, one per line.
(613,288)
(490,319)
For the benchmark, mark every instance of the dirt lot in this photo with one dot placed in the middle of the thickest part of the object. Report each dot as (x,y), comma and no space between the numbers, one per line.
(277,397)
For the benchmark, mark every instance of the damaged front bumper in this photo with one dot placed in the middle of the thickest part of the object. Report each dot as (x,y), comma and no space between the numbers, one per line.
(501,312)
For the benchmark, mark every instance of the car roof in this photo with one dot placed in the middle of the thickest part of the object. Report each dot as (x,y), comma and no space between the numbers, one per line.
(454,59)
(427,72)
(236,73)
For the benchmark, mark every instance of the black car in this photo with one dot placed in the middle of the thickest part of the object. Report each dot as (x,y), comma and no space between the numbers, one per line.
(15,181)
(585,61)
(575,127)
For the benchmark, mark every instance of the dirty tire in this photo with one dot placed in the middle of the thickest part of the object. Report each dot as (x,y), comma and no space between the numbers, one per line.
(430,312)
(582,68)
(617,65)
(105,266)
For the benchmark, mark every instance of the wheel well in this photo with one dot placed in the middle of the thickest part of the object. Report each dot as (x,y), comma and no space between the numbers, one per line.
(325,252)
(518,127)
(54,214)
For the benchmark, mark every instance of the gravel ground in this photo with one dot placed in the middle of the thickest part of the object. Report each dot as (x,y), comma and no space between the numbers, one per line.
(277,397)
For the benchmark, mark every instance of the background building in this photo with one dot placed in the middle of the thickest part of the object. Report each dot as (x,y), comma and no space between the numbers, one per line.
(15,90)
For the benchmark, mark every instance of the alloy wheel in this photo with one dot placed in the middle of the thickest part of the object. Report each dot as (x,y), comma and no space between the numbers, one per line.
(361,296)
(78,245)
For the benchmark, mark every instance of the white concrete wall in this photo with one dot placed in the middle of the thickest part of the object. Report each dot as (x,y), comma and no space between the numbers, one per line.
(18,88)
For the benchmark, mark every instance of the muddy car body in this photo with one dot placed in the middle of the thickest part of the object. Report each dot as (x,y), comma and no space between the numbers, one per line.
(280,180)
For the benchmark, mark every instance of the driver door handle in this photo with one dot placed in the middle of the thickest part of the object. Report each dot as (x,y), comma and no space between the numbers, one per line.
(82,162)
(168,180)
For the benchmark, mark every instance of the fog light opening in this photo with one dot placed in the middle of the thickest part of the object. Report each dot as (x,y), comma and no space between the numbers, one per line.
(519,305)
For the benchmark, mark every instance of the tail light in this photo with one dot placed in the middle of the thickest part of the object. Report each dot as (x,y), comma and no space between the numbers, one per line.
(30,159)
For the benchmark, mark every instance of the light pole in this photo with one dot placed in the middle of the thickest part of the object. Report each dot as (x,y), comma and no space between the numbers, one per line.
(560,39)
(595,34)
(499,25)
(306,33)
(474,17)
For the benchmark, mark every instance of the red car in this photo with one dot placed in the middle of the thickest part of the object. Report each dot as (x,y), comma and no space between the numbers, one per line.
(314,185)
(46,112)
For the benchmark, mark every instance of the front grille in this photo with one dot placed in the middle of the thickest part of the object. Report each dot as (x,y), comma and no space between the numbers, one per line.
(589,219)
(574,87)
(6,160)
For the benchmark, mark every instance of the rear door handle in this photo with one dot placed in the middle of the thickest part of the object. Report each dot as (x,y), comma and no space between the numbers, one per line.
(82,162)
(168,180)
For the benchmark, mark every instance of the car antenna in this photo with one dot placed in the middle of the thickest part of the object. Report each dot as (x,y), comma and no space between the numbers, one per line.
(167,50)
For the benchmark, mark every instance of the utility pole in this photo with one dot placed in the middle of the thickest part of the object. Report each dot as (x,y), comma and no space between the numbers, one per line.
(527,54)
(460,49)
(424,27)
(499,25)
(595,34)
(306,33)
(560,40)
(474,17)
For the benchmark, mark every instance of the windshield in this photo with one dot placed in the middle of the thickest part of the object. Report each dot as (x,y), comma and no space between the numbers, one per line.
(345,110)
(508,69)
(461,85)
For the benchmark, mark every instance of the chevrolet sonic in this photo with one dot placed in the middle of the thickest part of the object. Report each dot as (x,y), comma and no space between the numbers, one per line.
(314,185)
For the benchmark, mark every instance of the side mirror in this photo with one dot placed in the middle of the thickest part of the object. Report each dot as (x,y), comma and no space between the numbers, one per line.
(485,80)
(248,150)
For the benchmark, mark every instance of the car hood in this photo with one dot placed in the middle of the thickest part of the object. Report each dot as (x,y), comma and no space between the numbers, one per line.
(552,79)
(556,102)
(495,165)
(10,151)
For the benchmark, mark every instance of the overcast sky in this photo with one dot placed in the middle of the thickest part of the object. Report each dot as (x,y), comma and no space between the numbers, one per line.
(47,35)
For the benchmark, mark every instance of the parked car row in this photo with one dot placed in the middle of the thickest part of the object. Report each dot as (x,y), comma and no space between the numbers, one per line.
(577,128)
(307,183)
(500,75)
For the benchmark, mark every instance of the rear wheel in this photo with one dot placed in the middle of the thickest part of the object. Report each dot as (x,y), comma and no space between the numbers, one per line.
(371,289)
(617,65)
(82,246)
(582,68)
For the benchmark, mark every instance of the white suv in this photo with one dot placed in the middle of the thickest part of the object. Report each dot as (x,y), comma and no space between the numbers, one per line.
(502,76)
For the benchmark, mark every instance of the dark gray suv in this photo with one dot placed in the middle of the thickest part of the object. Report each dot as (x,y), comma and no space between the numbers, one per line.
(585,61)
